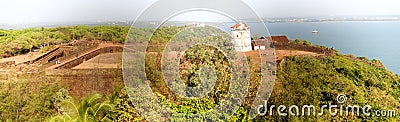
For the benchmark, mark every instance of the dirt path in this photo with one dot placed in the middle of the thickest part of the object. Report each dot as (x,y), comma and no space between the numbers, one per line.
(22,58)
(282,53)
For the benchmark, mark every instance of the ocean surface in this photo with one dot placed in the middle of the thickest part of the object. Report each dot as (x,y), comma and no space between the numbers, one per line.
(372,39)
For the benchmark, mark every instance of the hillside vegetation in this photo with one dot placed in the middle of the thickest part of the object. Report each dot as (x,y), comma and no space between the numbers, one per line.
(16,42)
(314,81)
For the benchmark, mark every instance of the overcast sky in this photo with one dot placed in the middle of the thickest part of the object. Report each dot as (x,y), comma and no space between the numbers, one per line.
(33,11)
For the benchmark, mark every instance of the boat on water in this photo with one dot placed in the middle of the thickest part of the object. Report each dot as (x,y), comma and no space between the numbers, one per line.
(314,31)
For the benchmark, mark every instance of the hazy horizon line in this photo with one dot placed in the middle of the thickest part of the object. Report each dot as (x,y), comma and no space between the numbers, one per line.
(270,17)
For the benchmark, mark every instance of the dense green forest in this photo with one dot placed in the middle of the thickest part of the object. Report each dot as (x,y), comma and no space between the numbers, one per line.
(301,80)
(15,42)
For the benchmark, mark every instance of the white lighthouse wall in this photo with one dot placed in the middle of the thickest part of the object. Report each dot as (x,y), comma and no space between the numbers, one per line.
(241,40)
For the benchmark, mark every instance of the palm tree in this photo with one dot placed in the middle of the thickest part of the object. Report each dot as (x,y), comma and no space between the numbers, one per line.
(88,111)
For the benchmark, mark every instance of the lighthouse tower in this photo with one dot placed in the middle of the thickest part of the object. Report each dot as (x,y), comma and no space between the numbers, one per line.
(241,37)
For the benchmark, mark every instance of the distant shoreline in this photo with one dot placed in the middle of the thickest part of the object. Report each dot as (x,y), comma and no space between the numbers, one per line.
(6,26)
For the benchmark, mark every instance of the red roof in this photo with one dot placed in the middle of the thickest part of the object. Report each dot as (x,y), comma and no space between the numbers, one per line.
(238,25)
(280,39)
